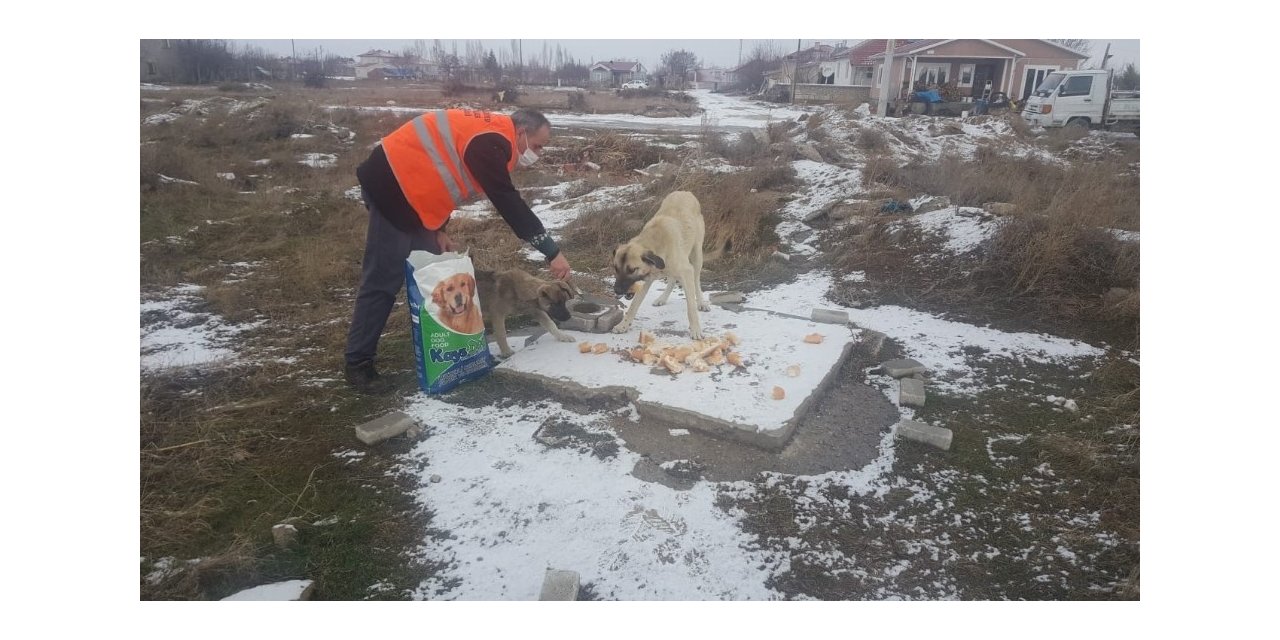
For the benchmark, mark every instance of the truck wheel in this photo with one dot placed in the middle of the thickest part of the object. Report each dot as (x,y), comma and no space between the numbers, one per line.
(1082,123)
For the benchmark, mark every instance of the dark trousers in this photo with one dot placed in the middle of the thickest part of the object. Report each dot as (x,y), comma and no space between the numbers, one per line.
(382,275)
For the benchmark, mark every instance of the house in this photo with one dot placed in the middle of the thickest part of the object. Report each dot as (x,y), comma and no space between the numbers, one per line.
(1014,67)
(862,65)
(392,73)
(712,78)
(613,73)
(158,61)
(375,59)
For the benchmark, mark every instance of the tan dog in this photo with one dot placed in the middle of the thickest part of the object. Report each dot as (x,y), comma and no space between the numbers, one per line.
(454,299)
(669,246)
(515,292)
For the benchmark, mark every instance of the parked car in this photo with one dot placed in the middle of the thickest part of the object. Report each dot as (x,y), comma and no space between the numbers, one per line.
(635,84)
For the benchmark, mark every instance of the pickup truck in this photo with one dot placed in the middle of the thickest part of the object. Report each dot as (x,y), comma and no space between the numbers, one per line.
(1082,98)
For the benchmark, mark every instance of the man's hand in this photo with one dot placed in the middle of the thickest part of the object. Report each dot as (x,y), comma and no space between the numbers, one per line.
(445,242)
(560,267)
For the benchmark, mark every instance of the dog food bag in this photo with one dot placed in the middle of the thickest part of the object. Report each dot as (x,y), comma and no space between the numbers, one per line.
(448,330)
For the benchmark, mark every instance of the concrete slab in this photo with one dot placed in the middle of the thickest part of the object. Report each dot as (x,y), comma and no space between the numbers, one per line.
(384,428)
(830,316)
(903,367)
(911,392)
(560,585)
(926,433)
(726,401)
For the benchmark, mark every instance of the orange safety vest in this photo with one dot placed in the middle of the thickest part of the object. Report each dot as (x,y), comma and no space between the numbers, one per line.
(426,157)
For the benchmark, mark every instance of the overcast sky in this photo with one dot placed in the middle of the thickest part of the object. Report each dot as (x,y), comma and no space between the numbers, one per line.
(714,52)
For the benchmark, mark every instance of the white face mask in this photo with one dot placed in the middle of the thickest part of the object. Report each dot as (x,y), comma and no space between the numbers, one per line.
(528,157)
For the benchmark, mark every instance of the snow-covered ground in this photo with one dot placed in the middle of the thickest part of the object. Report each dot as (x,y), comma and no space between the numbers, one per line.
(516,508)
(721,111)
(175,333)
(937,343)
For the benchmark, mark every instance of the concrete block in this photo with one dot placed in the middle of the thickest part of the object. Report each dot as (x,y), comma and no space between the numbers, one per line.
(592,314)
(778,255)
(560,585)
(384,428)
(902,367)
(727,297)
(874,341)
(911,392)
(285,535)
(924,433)
(1000,208)
(830,316)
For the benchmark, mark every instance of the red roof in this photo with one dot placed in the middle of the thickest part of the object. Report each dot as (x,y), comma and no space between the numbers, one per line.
(862,54)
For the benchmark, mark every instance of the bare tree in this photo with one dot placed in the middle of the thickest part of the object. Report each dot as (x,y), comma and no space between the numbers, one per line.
(201,61)
(1128,80)
(1083,46)
(764,57)
(677,63)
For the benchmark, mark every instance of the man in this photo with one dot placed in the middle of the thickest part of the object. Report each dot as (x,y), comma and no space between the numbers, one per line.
(412,182)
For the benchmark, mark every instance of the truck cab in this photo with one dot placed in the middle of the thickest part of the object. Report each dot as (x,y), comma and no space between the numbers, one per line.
(1079,98)
(1068,97)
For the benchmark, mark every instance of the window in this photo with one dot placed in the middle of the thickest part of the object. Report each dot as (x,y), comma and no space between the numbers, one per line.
(966,75)
(932,73)
(1077,86)
(1050,83)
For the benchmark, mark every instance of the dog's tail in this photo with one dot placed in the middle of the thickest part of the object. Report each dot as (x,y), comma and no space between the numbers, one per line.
(718,252)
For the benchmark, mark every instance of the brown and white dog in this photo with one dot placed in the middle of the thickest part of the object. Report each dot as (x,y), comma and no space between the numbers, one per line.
(454,298)
(669,246)
(515,292)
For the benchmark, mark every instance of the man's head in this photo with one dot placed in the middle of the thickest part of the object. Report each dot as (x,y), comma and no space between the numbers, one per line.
(533,132)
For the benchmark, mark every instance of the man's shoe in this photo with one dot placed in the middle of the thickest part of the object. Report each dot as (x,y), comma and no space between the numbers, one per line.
(364,378)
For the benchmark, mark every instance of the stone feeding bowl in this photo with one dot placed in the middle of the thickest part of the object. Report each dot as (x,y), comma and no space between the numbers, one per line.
(592,314)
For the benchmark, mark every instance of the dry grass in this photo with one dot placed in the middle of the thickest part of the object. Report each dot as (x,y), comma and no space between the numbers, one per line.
(1049,264)
(227,454)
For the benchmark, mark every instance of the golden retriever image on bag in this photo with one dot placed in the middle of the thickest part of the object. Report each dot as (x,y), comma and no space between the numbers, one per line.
(455,302)
(669,246)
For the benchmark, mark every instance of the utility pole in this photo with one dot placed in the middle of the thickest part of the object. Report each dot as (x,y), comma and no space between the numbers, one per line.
(739,53)
(1106,55)
(885,71)
(795,71)
(293,59)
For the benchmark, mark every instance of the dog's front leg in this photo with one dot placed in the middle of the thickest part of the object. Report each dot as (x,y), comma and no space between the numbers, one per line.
(691,301)
(550,325)
(666,293)
(625,325)
(500,332)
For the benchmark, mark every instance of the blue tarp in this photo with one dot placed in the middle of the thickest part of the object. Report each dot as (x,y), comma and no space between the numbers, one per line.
(929,96)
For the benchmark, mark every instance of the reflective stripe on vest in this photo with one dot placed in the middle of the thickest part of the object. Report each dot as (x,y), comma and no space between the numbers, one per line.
(433,152)
(442,123)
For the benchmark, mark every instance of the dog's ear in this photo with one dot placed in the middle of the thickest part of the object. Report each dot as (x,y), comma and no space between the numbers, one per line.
(469,282)
(651,258)
(437,296)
